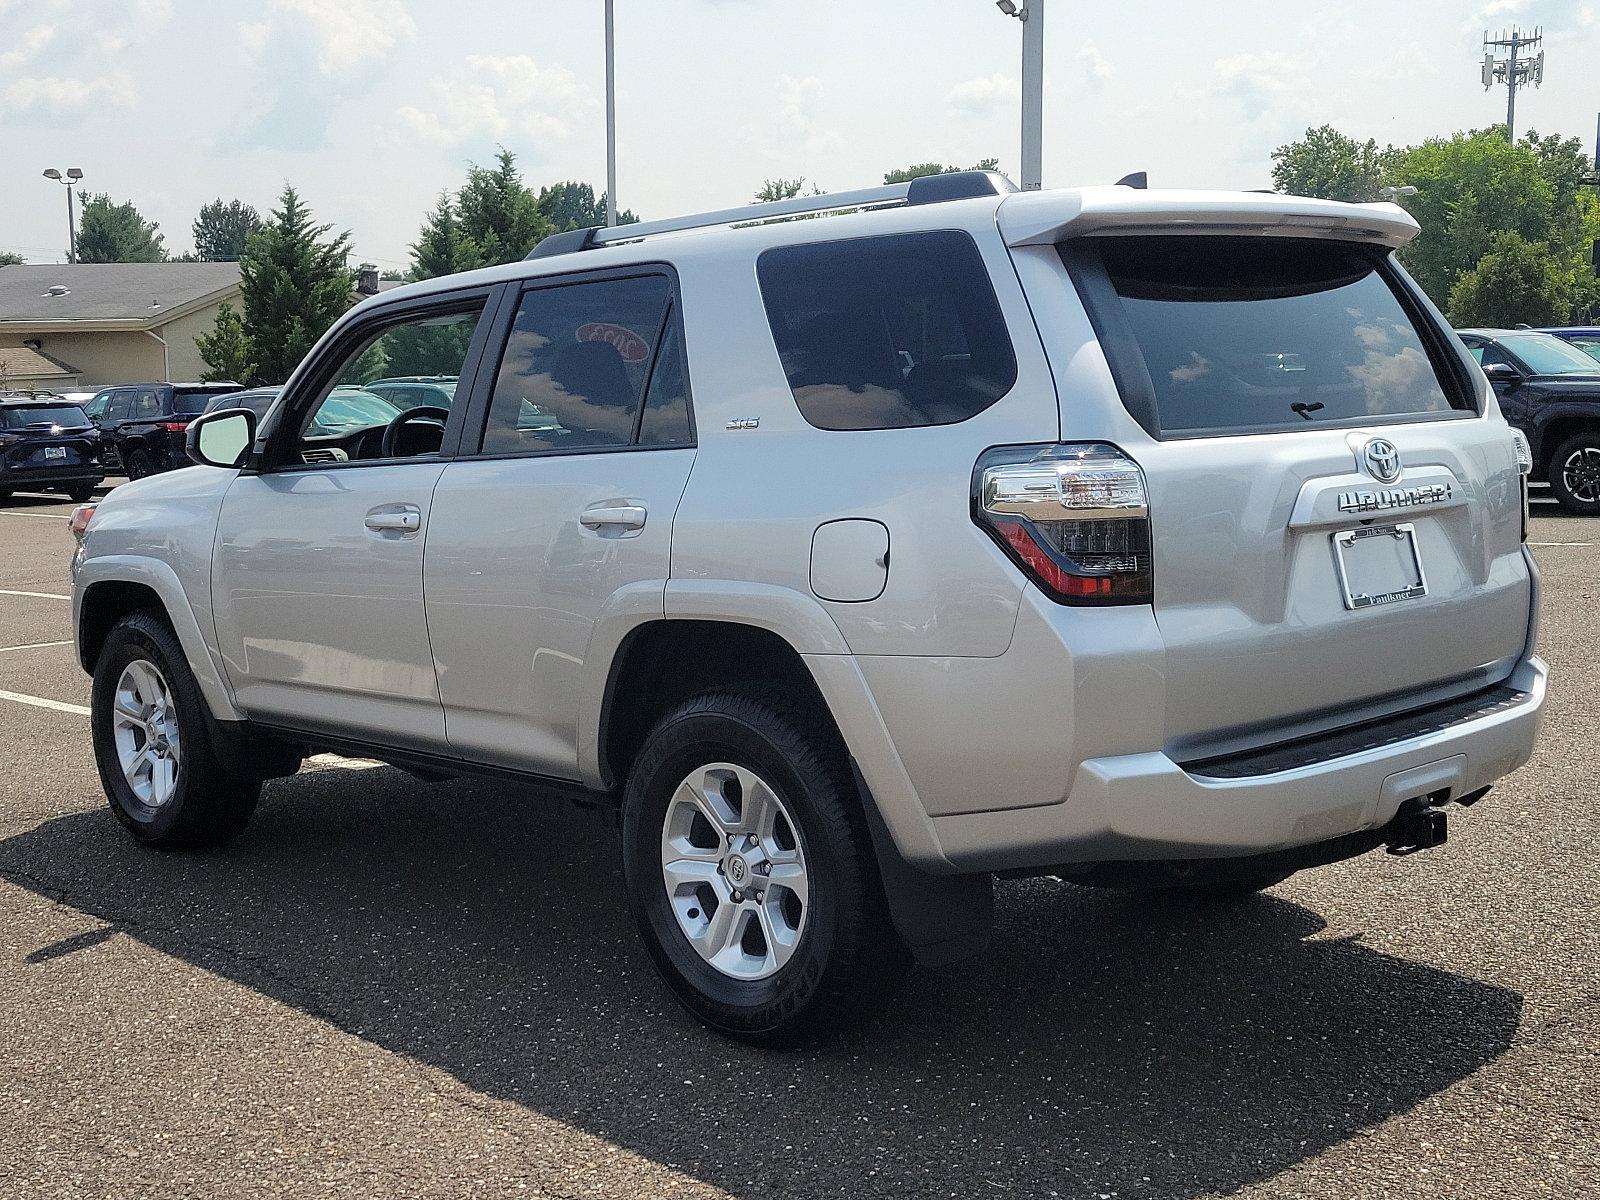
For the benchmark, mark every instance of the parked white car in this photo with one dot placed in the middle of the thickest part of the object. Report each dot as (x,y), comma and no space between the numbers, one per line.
(1146,539)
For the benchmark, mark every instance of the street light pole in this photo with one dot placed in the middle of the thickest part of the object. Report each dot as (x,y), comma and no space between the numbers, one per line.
(1031,15)
(611,120)
(69,181)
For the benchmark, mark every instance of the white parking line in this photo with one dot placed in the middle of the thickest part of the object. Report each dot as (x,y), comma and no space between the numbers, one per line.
(41,702)
(35,595)
(38,516)
(32,646)
(1560,543)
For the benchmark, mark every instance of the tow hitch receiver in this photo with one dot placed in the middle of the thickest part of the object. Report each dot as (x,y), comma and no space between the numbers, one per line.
(1417,826)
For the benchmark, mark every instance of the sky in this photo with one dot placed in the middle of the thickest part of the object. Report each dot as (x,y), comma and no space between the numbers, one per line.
(371,108)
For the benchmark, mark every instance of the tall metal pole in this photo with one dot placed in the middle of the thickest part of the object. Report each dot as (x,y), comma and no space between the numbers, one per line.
(1511,94)
(1032,94)
(611,120)
(72,229)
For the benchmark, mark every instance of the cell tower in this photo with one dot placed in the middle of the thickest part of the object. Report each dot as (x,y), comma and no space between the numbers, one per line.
(1515,69)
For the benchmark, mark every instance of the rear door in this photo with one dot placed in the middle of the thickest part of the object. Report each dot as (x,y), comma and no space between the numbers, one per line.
(564,512)
(1335,526)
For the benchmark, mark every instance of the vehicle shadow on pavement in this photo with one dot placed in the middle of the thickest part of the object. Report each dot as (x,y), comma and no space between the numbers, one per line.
(1105,1045)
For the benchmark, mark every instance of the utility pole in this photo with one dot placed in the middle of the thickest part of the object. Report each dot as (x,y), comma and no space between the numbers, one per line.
(1031,14)
(611,119)
(1514,70)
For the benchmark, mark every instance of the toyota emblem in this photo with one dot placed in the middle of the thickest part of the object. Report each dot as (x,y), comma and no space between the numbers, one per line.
(1382,459)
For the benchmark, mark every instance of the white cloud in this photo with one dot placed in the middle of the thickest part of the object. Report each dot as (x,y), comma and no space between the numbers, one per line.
(349,32)
(153,12)
(498,95)
(58,94)
(1256,81)
(983,95)
(28,46)
(253,37)
(1095,64)
(797,99)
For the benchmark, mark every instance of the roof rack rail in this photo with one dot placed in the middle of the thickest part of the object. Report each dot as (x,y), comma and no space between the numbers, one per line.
(929,189)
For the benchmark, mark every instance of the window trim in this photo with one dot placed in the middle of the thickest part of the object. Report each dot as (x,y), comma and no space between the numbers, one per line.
(269,456)
(476,425)
(1131,374)
(999,309)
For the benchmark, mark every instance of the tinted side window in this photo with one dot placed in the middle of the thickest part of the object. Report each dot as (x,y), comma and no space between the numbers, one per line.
(575,366)
(121,405)
(1490,355)
(666,404)
(887,332)
(147,403)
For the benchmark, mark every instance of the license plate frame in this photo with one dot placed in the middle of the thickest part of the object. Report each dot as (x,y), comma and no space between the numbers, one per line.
(1413,581)
(55,452)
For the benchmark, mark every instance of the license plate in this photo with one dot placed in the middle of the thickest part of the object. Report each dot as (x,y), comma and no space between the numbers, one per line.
(55,451)
(1379,564)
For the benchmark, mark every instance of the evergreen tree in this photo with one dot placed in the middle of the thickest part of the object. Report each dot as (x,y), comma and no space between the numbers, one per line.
(226,349)
(297,281)
(221,230)
(499,216)
(440,248)
(573,205)
(112,233)
(918,170)
(8,259)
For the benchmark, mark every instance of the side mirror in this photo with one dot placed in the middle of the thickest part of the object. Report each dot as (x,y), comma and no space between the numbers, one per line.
(1502,373)
(221,439)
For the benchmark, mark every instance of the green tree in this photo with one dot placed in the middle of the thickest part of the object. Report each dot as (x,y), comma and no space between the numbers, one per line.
(226,350)
(499,216)
(8,259)
(113,233)
(296,281)
(221,230)
(784,189)
(1517,280)
(1330,166)
(573,205)
(441,248)
(918,170)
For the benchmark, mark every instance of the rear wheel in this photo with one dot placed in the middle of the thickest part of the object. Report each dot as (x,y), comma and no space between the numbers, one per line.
(138,465)
(1575,473)
(80,494)
(5,493)
(750,870)
(153,747)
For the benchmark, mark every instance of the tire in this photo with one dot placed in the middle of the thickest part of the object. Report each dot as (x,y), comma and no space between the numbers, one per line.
(79,495)
(206,804)
(5,494)
(844,956)
(1575,474)
(138,465)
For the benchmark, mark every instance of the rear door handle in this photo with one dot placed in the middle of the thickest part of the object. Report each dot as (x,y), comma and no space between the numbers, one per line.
(404,519)
(625,516)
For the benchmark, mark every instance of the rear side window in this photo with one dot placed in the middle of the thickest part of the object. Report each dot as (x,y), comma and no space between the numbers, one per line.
(191,403)
(1245,333)
(887,332)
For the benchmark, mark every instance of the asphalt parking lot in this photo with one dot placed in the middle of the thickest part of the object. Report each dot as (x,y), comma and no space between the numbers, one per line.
(391,988)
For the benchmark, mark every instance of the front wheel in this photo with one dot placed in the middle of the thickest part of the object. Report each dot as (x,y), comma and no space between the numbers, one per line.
(153,747)
(1575,474)
(750,870)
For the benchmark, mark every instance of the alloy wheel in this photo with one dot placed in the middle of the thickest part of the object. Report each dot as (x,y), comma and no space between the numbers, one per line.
(144,723)
(1580,474)
(734,868)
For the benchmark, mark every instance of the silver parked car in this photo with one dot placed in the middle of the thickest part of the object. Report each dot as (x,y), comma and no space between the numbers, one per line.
(1146,539)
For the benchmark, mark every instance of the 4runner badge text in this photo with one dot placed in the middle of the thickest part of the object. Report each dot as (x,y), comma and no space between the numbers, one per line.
(1431,493)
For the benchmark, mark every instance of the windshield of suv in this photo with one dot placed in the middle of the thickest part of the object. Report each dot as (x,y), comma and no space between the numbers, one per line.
(1271,333)
(1546,354)
(350,408)
(1589,345)
(68,416)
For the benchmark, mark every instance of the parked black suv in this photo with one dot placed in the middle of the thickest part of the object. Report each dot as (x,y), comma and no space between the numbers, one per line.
(144,423)
(1549,389)
(47,445)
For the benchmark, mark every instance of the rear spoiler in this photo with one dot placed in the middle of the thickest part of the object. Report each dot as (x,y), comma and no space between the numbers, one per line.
(1044,218)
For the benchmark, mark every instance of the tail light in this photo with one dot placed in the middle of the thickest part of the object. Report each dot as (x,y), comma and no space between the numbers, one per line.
(173,426)
(1075,518)
(81,516)
(1524,454)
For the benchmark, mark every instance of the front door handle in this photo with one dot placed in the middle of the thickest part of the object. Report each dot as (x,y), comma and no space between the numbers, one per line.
(625,516)
(395,520)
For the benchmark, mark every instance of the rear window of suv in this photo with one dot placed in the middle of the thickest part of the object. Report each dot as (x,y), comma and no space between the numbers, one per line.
(1242,333)
(192,403)
(887,332)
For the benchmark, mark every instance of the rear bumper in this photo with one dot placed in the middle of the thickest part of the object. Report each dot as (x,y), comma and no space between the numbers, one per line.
(39,479)
(1148,806)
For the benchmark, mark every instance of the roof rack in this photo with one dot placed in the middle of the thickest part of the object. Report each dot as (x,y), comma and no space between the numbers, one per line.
(929,189)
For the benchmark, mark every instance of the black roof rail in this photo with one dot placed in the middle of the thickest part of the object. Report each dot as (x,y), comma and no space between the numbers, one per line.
(568,241)
(957,185)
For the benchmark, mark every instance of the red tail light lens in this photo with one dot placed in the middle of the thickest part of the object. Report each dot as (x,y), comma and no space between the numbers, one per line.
(1075,518)
(173,426)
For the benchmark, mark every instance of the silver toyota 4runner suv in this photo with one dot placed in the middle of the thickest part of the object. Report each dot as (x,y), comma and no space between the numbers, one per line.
(1147,539)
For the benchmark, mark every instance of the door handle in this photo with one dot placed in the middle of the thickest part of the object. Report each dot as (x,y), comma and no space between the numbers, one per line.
(402,520)
(628,516)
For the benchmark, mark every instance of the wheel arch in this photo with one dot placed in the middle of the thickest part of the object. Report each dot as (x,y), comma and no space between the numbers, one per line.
(1556,429)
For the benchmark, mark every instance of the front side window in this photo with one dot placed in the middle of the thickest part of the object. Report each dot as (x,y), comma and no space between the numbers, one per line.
(1246,333)
(347,422)
(121,405)
(887,332)
(576,367)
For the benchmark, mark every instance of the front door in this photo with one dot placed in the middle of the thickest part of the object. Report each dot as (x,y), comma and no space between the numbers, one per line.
(317,568)
(565,512)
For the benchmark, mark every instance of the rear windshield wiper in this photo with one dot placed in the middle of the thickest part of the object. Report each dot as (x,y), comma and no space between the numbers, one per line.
(1305,410)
